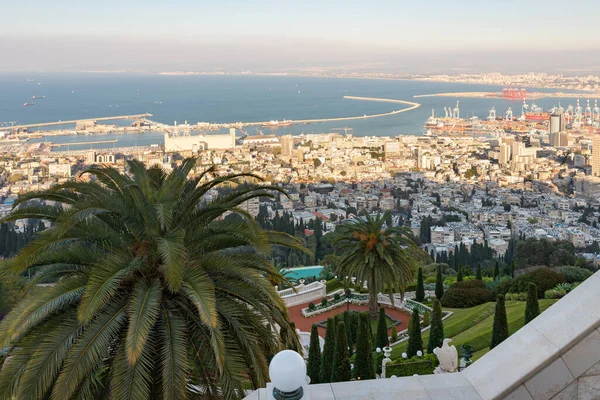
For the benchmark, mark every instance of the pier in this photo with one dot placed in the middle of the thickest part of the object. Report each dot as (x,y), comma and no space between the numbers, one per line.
(498,95)
(134,117)
(83,143)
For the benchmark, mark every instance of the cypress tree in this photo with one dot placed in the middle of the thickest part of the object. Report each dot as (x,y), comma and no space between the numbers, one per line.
(340,371)
(439,283)
(348,324)
(381,339)
(500,329)
(328,349)
(478,274)
(436,332)
(313,368)
(426,318)
(394,334)
(364,366)
(420,292)
(415,342)
(512,269)
(459,275)
(532,308)
(497,271)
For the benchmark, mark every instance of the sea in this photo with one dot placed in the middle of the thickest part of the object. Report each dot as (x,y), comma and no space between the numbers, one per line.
(234,98)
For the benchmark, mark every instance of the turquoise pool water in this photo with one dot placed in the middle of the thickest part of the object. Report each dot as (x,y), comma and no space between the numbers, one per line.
(302,272)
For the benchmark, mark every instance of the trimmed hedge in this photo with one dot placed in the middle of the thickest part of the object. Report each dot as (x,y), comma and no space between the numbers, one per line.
(415,365)
(574,274)
(467,294)
(333,285)
(544,278)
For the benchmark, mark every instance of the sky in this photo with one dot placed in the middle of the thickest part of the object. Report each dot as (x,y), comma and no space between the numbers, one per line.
(271,35)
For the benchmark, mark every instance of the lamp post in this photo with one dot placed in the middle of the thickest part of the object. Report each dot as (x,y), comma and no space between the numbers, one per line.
(288,377)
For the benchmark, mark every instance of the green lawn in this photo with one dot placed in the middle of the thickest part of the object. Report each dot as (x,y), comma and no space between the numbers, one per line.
(474,325)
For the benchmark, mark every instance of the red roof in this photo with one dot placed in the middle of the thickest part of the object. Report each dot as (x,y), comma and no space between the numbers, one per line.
(319,215)
(308,232)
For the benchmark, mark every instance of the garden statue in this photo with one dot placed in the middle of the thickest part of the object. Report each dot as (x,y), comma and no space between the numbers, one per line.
(448,357)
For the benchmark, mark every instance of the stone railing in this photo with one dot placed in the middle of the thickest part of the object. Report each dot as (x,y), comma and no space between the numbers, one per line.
(303,293)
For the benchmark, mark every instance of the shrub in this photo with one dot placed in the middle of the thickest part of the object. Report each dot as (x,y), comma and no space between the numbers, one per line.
(394,334)
(340,371)
(436,333)
(414,365)
(313,368)
(382,337)
(337,296)
(328,349)
(333,285)
(574,274)
(459,275)
(554,294)
(420,290)
(311,306)
(544,278)
(324,302)
(478,273)
(439,285)
(363,364)
(516,296)
(415,342)
(467,294)
(532,308)
(426,317)
(500,328)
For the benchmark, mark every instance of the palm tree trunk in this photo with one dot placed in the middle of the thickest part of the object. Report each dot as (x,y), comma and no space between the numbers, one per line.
(373,312)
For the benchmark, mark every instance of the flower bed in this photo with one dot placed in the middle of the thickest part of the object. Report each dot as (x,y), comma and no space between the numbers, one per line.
(357,299)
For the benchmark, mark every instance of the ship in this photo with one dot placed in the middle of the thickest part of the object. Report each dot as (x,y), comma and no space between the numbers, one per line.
(276,123)
(27,104)
(537,116)
(38,97)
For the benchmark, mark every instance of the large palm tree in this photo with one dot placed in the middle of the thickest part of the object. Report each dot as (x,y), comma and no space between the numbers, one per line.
(140,291)
(380,256)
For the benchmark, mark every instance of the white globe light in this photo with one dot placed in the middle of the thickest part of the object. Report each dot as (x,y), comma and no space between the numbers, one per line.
(404,355)
(419,353)
(287,371)
(378,349)
(393,376)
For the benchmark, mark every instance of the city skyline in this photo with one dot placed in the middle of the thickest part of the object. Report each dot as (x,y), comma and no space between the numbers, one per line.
(268,35)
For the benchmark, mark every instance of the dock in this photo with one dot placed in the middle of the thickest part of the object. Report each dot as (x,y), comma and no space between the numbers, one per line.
(83,143)
(133,117)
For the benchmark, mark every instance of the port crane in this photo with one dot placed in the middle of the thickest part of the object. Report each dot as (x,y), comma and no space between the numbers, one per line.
(509,114)
(492,115)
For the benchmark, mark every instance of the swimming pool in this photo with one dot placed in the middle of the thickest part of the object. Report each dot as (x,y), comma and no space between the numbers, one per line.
(302,272)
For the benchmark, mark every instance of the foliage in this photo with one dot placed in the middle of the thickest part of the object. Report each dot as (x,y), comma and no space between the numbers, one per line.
(532,308)
(478,274)
(439,284)
(544,252)
(394,334)
(560,290)
(381,257)
(311,306)
(500,327)
(381,340)
(426,317)
(574,274)
(148,291)
(333,285)
(415,342)
(11,291)
(364,367)
(459,275)
(436,332)
(324,302)
(497,271)
(341,363)
(467,294)
(420,290)
(13,240)
(544,278)
(424,365)
(328,351)
(515,296)
(313,368)
(337,296)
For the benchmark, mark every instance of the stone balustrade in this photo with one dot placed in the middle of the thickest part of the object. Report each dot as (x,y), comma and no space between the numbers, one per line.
(303,293)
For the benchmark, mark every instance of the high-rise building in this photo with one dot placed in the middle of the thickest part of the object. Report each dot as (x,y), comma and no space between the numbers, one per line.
(504,156)
(596,156)
(287,145)
(556,123)
(517,148)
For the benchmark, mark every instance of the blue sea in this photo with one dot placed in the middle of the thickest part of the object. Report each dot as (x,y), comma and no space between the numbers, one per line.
(233,99)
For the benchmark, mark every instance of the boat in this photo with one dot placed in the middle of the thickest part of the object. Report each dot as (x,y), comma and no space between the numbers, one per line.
(276,123)
(38,97)
(27,104)
(537,116)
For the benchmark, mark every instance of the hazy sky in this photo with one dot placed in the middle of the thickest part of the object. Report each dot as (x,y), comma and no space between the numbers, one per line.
(284,34)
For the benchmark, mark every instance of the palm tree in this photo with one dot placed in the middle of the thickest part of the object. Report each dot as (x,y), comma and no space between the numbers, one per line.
(148,294)
(382,257)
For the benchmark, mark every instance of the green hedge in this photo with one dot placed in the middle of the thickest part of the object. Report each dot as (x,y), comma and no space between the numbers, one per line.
(467,294)
(574,274)
(516,296)
(544,278)
(411,366)
(334,284)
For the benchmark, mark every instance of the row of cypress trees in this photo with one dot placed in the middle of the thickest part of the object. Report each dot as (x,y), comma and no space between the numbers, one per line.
(436,332)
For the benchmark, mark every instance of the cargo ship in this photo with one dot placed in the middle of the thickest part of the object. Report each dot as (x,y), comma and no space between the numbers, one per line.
(276,123)
(537,116)
(38,97)
(27,104)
